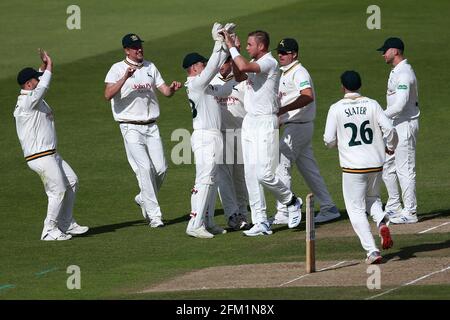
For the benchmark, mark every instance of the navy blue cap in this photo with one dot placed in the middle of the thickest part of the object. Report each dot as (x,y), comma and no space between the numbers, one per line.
(131,40)
(396,43)
(27,74)
(351,80)
(287,45)
(193,58)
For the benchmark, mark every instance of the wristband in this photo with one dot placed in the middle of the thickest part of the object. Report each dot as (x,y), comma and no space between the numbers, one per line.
(234,52)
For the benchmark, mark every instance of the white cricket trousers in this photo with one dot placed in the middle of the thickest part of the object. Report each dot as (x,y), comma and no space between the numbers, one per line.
(401,167)
(231,176)
(145,153)
(362,194)
(60,184)
(296,147)
(260,147)
(207,147)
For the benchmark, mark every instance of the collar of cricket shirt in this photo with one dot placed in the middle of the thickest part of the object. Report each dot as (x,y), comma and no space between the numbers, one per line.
(289,67)
(400,65)
(352,95)
(132,63)
(24,92)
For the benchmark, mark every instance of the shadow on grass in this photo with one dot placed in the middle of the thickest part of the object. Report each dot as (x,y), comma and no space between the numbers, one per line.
(410,252)
(302,225)
(434,214)
(112,227)
(185,218)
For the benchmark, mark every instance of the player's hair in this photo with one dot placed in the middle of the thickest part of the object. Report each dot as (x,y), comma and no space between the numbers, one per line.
(261,37)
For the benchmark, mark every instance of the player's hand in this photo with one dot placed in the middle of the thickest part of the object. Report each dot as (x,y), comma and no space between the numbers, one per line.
(174,86)
(389,152)
(44,56)
(237,42)
(215,32)
(230,27)
(130,71)
(228,39)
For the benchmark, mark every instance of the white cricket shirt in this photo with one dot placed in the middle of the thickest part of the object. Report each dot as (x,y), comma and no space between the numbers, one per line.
(402,94)
(294,78)
(358,124)
(232,105)
(137,100)
(206,112)
(34,120)
(261,95)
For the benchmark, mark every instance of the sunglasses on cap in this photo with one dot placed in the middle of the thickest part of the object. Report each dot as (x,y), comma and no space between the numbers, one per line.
(284,53)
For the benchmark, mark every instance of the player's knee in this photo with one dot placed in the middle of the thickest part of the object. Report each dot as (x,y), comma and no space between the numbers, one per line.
(161,171)
(264,176)
(209,180)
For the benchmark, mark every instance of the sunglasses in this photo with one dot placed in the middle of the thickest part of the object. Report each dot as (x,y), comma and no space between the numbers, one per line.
(284,53)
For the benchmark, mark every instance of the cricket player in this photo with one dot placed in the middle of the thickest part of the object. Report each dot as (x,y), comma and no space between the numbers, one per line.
(206,140)
(297,114)
(131,87)
(403,110)
(37,135)
(230,173)
(357,125)
(260,131)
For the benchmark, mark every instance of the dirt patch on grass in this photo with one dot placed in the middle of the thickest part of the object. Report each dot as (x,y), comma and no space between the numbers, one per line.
(329,273)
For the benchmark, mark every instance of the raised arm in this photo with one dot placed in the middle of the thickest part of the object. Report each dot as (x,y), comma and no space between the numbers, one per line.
(242,64)
(168,91)
(238,75)
(217,58)
(112,89)
(44,82)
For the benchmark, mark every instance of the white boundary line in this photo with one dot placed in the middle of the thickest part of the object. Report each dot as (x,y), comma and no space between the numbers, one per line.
(408,283)
(429,229)
(323,269)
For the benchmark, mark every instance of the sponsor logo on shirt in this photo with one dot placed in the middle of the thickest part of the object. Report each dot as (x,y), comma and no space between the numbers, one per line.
(402,87)
(304,83)
(142,86)
(227,101)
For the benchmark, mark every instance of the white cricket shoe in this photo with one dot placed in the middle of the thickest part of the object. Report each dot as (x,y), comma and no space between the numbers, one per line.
(280,218)
(259,229)
(55,235)
(295,213)
(76,229)
(156,222)
(200,232)
(404,219)
(390,214)
(330,214)
(139,202)
(215,229)
(374,258)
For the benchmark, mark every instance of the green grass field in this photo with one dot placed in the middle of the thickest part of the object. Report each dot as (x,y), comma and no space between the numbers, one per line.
(121,255)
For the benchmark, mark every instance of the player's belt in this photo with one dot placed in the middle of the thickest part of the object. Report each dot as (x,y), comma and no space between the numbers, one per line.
(366,170)
(40,155)
(139,122)
(297,122)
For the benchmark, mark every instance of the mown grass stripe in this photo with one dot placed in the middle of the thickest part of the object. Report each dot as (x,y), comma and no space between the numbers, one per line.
(7,286)
(40,273)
